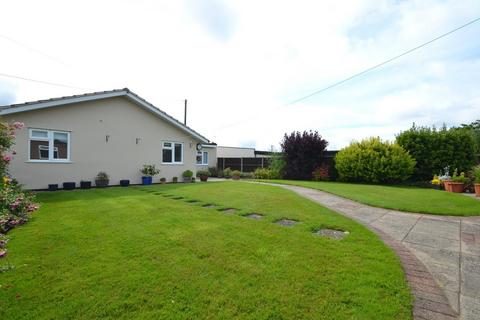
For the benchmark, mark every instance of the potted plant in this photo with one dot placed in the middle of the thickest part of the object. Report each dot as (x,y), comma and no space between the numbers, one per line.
(124,183)
(102,179)
(69,185)
(85,184)
(53,187)
(227,173)
(236,175)
(187,176)
(148,171)
(203,175)
(476,177)
(175,179)
(193,179)
(445,179)
(458,182)
(163,180)
(435,182)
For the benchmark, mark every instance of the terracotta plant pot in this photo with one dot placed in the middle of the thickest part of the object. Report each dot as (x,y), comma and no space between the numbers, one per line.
(477,189)
(236,177)
(446,184)
(457,187)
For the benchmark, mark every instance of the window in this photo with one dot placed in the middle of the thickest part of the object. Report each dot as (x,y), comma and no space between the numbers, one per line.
(172,152)
(202,158)
(48,145)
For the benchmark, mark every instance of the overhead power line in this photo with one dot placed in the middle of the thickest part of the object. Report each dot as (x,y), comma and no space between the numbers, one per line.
(359,73)
(27,47)
(382,63)
(41,81)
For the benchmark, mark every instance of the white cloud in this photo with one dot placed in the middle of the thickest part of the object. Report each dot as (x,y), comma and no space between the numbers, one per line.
(244,60)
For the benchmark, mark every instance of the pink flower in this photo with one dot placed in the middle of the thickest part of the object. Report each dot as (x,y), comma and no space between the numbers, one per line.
(18,125)
(7,158)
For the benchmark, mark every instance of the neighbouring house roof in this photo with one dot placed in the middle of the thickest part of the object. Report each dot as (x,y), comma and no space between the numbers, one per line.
(42,104)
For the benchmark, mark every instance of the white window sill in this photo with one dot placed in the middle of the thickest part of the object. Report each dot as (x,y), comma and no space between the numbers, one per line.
(202,164)
(49,161)
(172,163)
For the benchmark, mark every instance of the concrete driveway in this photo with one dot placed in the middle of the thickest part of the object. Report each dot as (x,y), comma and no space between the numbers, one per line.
(449,248)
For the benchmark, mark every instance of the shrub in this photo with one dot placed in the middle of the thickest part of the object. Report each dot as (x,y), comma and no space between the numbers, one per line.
(303,152)
(372,160)
(175,179)
(15,205)
(476,173)
(204,173)
(459,177)
(262,173)
(321,173)
(246,175)
(213,171)
(187,174)
(149,170)
(227,173)
(277,166)
(236,173)
(435,149)
(102,176)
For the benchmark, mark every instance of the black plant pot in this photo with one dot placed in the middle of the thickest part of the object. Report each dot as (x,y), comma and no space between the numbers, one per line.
(101,183)
(52,187)
(68,185)
(124,183)
(85,184)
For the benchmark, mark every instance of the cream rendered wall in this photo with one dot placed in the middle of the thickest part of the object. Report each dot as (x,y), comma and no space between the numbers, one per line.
(89,124)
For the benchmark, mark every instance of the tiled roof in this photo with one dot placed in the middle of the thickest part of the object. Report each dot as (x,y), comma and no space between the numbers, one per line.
(92,95)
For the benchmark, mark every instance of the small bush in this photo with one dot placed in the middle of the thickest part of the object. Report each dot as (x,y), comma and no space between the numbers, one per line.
(277,166)
(204,173)
(262,173)
(102,176)
(149,170)
(372,160)
(246,175)
(322,173)
(187,174)
(214,172)
(175,179)
(227,173)
(236,173)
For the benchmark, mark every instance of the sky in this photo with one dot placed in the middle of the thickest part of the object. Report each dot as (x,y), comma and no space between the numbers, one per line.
(240,63)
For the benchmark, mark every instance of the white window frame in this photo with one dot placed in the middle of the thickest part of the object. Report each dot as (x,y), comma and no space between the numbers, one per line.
(172,147)
(51,148)
(202,154)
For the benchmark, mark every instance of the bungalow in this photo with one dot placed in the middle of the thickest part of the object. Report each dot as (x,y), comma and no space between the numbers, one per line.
(70,139)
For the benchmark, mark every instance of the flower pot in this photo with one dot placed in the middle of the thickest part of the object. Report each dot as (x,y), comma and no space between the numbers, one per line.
(174,179)
(456,187)
(101,183)
(187,179)
(435,187)
(163,181)
(446,184)
(53,187)
(69,185)
(236,177)
(85,184)
(477,189)
(147,180)
(203,178)
(124,183)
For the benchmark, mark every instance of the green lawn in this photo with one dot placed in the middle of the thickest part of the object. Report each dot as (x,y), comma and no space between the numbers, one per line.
(410,199)
(135,253)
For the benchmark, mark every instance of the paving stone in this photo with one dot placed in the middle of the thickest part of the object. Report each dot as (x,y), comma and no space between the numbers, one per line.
(470,266)
(286,222)
(438,228)
(331,233)
(254,216)
(470,308)
(430,240)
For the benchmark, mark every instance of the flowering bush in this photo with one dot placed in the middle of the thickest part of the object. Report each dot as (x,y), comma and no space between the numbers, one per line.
(321,173)
(15,204)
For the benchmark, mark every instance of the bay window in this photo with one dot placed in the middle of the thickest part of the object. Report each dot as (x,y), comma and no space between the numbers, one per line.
(49,145)
(172,152)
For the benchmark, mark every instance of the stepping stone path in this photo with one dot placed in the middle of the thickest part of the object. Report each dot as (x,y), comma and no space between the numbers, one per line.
(286,222)
(229,210)
(254,216)
(331,233)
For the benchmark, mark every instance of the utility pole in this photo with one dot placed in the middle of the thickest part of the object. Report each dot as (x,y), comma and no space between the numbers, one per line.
(185,115)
